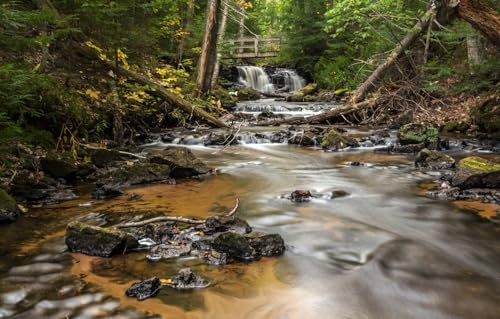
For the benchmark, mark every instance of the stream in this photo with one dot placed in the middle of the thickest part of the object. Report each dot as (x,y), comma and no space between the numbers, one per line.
(385,251)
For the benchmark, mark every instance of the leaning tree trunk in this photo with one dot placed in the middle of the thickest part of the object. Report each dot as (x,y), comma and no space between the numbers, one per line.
(408,40)
(186,31)
(209,49)
(222,33)
(474,48)
(482,18)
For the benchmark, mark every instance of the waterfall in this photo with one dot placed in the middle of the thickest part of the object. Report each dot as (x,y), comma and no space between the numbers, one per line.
(293,81)
(256,78)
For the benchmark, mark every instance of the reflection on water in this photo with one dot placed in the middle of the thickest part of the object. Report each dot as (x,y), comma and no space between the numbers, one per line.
(384,251)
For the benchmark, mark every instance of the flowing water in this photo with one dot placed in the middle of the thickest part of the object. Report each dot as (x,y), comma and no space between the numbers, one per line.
(257,78)
(385,251)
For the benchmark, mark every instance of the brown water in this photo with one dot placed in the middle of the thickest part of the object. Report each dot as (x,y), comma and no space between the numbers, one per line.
(386,251)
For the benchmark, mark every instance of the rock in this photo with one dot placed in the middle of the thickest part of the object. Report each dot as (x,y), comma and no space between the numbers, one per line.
(220,224)
(59,165)
(248,94)
(186,279)
(145,289)
(356,164)
(339,193)
(306,138)
(26,187)
(104,157)
(215,258)
(107,191)
(415,133)
(98,241)
(169,251)
(220,139)
(486,116)
(266,244)
(461,127)
(478,194)
(334,141)
(183,163)
(158,232)
(300,196)
(8,208)
(434,160)
(295,97)
(235,246)
(138,173)
(401,149)
(476,172)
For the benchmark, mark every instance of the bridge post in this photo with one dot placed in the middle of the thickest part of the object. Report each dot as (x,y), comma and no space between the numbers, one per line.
(256,46)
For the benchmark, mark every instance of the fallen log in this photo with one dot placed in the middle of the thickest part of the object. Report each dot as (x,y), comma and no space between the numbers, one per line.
(156,89)
(178,219)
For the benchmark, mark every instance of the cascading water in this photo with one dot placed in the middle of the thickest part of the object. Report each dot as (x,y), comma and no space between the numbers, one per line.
(256,78)
(293,81)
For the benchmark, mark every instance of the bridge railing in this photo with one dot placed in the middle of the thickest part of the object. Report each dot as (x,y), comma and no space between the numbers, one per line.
(255,47)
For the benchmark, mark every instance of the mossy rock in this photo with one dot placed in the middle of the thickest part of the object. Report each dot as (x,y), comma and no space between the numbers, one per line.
(487,116)
(341,92)
(8,208)
(236,246)
(434,160)
(183,163)
(103,157)
(333,140)
(307,138)
(98,241)
(415,133)
(477,172)
(248,94)
(139,173)
(60,165)
(295,97)
(309,89)
(461,127)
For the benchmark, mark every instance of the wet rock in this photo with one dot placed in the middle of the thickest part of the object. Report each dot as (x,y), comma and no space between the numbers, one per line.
(183,163)
(339,193)
(215,258)
(235,246)
(220,139)
(401,149)
(266,244)
(144,289)
(300,196)
(186,279)
(59,165)
(476,172)
(333,141)
(434,160)
(415,133)
(26,187)
(103,157)
(248,94)
(486,116)
(158,232)
(169,251)
(138,173)
(98,241)
(107,191)
(356,164)
(279,137)
(8,208)
(477,194)
(220,224)
(454,126)
(306,138)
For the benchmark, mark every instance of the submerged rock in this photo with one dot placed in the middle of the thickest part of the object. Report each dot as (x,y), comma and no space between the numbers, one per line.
(186,279)
(8,208)
(145,289)
(339,193)
(415,133)
(476,172)
(235,246)
(107,191)
(97,241)
(434,160)
(183,163)
(300,196)
(267,245)
(334,141)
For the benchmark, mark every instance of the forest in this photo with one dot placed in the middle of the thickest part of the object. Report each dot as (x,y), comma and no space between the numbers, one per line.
(249,158)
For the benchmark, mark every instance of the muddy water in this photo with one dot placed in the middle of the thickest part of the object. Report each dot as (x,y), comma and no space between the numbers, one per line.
(385,251)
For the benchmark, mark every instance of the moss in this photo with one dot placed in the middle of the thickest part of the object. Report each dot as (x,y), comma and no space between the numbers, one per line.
(248,94)
(309,89)
(478,164)
(335,140)
(414,133)
(7,202)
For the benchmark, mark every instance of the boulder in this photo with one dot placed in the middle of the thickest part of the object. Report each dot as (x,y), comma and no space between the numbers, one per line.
(8,208)
(220,224)
(486,115)
(415,133)
(266,244)
(144,289)
(186,279)
(300,196)
(248,94)
(98,241)
(104,157)
(235,246)
(434,160)
(183,163)
(107,191)
(59,165)
(453,126)
(333,140)
(138,173)
(476,172)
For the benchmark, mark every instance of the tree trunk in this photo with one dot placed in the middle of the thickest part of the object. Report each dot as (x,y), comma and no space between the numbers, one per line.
(209,49)
(473,48)
(186,30)
(408,40)
(482,18)
(222,33)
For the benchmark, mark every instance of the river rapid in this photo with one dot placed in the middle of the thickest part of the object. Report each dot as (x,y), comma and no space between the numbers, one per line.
(385,251)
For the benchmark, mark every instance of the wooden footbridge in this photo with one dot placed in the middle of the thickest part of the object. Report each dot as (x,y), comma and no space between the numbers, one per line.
(254,47)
